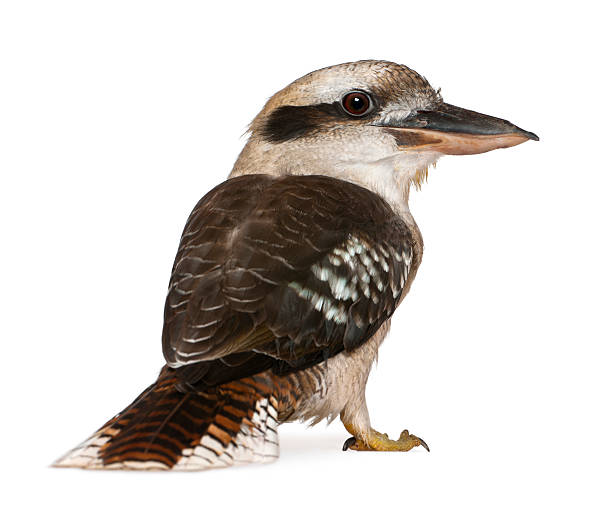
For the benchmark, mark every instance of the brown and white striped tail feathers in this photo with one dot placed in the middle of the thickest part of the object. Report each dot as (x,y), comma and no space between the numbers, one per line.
(166,429)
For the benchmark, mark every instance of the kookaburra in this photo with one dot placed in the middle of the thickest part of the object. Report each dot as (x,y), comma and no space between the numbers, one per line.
(288,273)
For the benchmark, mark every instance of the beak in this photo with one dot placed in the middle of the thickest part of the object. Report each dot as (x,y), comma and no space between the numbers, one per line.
(451,130)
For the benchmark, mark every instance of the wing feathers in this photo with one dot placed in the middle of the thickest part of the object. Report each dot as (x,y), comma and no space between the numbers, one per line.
(295,268)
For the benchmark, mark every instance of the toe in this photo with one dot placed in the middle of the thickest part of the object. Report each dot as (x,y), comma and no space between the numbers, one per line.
(406,436)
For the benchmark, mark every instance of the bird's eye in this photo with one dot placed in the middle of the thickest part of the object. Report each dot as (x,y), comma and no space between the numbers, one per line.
(356,103)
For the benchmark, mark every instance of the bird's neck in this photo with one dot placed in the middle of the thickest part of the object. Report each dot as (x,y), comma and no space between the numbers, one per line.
(388,172)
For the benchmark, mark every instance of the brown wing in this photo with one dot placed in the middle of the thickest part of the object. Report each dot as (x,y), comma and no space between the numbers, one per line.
(282,272)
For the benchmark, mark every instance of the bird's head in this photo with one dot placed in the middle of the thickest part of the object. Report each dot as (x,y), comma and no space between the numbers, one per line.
(375,123)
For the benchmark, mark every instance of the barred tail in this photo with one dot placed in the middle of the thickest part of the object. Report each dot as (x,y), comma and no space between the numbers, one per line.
(165,429)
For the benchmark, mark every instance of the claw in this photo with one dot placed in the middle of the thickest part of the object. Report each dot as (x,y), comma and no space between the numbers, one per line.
(348,443)
(423,443)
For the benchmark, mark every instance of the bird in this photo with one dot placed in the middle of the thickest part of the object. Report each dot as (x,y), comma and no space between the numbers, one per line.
(288,273)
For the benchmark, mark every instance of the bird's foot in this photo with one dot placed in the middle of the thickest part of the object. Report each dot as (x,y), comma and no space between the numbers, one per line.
(376,441)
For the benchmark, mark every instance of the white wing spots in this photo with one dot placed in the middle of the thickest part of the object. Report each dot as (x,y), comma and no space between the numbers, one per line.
(396,290)
(343,289)
(353,253)
(366,273)
(404,259)
(384,255)
(329,307)
(407,259)
(343,254)
(321,273)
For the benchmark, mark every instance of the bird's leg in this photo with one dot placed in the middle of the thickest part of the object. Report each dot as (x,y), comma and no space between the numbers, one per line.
(356,420)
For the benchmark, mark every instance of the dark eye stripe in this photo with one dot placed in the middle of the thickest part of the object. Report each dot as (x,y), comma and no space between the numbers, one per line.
(290,122)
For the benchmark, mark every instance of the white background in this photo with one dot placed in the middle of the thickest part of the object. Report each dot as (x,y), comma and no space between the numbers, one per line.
(117,116)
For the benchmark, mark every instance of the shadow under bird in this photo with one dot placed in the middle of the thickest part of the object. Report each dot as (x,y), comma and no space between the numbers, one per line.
(288,273)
